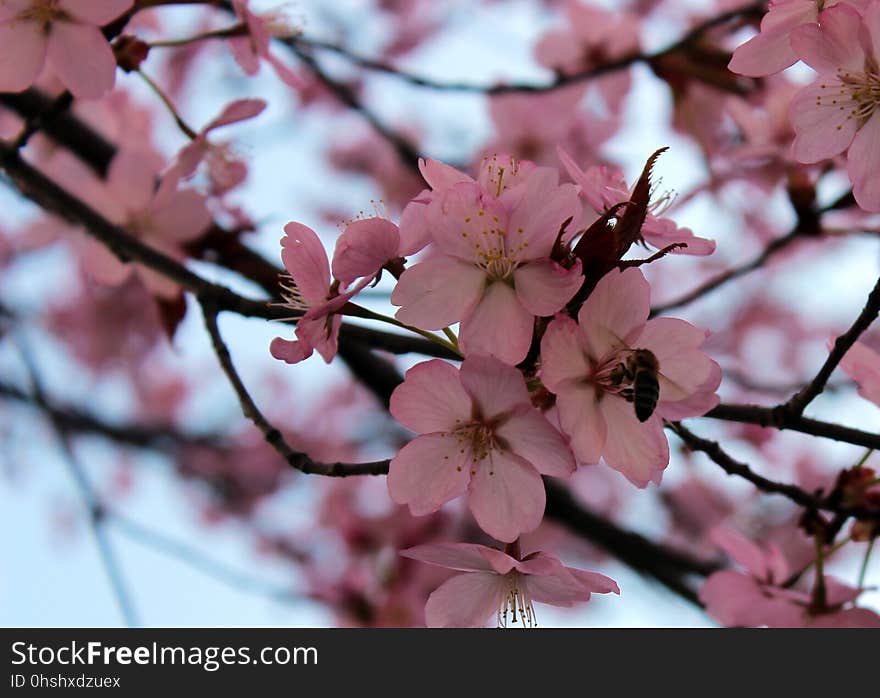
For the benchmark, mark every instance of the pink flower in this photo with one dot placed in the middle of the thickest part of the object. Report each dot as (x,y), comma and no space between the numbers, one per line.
(164,217)
(838,111)
(360,252)
(593,36)
(480,434)
(862,364)
(224,169)
(584,364)
(497,584)
(492,270)
(602,187)
(757,596)
(771,50)
(249,49)
(65,34)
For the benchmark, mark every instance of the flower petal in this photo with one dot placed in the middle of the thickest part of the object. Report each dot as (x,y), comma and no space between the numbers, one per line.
(562,353)
(861,164)
(529,435)
(544,287)
(428,472)
(638,450)
(617,307)
(22,55)
(495,386)
(464,557)
(582,419)
(82,59)
(431,398)
(465,601)
(304,258)
(506,496)
(437,293)
(499,325)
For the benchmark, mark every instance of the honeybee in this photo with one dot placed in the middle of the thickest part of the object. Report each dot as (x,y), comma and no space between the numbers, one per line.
(642,370)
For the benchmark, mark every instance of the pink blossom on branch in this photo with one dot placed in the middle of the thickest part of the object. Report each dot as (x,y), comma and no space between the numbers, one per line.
(839,111)
(500,585)
(771,49)
(479,434)
(66,35)
(360,252)
(584,364)
(491,269)
(225,171)
(862,364)
(761,595)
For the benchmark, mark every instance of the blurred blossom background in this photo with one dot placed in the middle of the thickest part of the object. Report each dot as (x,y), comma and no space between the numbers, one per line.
(198,536)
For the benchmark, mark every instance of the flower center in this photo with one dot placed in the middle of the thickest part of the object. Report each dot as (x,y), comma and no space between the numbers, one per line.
(479,439)
(43,13)
(291,294)
(855,95)
(516,604)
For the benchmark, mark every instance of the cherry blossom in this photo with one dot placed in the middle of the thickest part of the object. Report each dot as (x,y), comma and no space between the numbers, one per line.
(582,364)
(153,209)
(254,46)
(762,595)
(479,434)
(496,584)
(360,252)
(862,364)
(66,35)
(492,269)
(224,169)
(602,188)
(838,111)
(771,49)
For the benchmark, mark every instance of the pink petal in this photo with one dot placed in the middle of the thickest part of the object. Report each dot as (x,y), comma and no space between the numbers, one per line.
(561,588)
(544,207)
(595,582)
(431,398)
(22,55)
(831,45)
(363,249)
(180,216)
(289,351)
(544,287)
(439,175)
(529,435)
(821,127)
(582,419)
(97,12)
(618,306)
(465,601)
(764,54)
(674,343)
(862,364)
(240,110)
(437,293)
(428,472)
(499,325)
(735,599)
(562,353)
(636,449)
(506,496)
(466,223)
(861,164)
(82,59)
(495,387)
(322,333)
(741,549)
(306,261)
(847,618)
(464,557)
(662,232)
(415,233)
(132,179)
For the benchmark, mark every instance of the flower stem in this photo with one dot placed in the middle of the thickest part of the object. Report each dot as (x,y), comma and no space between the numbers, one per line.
(181,124)
(360,311)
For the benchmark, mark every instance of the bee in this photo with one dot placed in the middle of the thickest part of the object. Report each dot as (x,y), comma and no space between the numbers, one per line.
(642,370)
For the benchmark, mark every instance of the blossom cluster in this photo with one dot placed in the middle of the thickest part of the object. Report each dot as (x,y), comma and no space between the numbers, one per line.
(550,376)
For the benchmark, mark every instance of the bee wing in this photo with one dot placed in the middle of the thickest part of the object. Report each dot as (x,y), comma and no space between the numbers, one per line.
(670,391)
